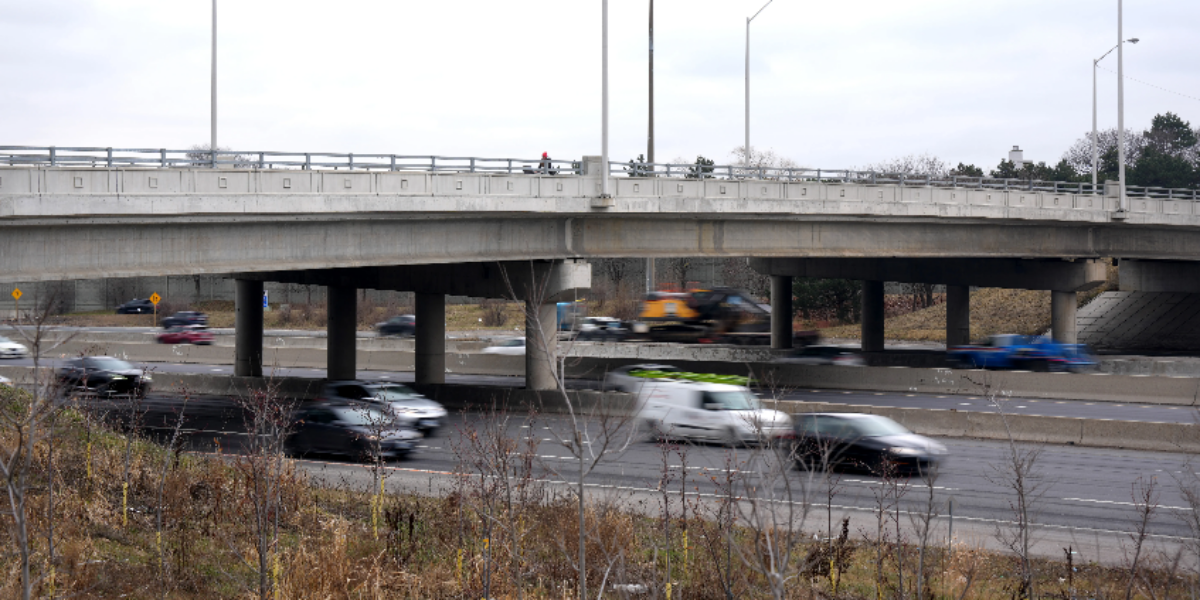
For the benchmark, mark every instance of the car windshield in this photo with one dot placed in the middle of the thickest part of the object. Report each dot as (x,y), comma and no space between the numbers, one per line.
(735,400)
(392,392)
(513,343)
(4,340)
(363,416)
(108,364)
(879,426)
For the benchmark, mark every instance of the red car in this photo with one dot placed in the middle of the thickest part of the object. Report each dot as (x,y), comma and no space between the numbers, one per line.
(186,335)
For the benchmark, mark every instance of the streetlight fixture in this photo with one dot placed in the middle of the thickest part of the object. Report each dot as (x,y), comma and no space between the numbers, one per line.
(746,148)
(1095,133)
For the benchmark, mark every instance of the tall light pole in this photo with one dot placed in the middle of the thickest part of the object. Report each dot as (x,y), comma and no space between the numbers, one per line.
(650,140)
(746,148)
(212,146)
(1121,206)
(604,101)
(1095,132)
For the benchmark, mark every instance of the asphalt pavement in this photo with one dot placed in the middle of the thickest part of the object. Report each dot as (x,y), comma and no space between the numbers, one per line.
(964,403)
(1080,497)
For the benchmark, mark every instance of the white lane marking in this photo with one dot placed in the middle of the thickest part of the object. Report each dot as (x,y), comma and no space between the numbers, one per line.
(964,404)
(1119,503)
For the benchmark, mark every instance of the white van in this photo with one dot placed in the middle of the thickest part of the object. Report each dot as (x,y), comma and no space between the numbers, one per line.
(673,408)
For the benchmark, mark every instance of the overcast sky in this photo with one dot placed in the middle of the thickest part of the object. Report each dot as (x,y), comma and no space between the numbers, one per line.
(833,84)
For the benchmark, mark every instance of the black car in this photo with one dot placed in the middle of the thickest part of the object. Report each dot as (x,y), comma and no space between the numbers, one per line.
(186,318)
(353,431)
(865,442)
(137,306)
(398,325)
(103,375)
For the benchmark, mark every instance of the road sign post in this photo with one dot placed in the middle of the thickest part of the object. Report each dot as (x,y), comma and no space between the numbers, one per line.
(154,299)
(16,294)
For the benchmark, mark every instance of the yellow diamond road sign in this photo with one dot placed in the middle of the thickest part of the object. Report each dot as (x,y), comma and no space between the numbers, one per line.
(155,298)
(16,293)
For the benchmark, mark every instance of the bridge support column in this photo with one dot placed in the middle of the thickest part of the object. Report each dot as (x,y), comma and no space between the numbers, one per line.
(1063,306)
(781,312)
(541,345)
(431,338)
(340,350)
(248,328)
(872,316)
(958,315)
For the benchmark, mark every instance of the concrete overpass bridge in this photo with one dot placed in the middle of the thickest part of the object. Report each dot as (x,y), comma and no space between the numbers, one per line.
(472,226)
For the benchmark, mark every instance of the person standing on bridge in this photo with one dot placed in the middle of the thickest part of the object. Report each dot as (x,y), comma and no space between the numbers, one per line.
(544,166)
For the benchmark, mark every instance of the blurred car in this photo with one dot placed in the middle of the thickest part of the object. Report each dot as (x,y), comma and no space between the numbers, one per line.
(11,349)
(352,430)
(619,379)
(186,335)
(401,325)
(137,306)
(104,375)
(824,355)
(601,328)
(185,318)
(5,382)
(730,414)
(863,442)
(412,408)
(513,347)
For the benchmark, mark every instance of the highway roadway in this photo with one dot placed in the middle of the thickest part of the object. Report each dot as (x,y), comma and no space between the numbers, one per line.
(964,403)
(1085,499)
(1083,496)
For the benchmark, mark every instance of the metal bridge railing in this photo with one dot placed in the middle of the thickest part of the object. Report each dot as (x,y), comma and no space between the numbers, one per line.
(54,156)
(736,172)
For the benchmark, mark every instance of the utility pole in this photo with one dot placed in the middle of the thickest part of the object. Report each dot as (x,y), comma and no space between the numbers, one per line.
(1121,206)
(650,140)
(212,146)
(746,152)
(603,107)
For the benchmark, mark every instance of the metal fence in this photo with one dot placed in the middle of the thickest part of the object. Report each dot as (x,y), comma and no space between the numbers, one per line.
(737,172)
(54,156)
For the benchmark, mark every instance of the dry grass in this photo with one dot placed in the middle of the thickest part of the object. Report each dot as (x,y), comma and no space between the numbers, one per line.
(426,547)
(993,311)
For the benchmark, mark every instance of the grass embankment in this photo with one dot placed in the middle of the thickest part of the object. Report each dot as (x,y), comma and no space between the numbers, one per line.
(993,311)
(189,527)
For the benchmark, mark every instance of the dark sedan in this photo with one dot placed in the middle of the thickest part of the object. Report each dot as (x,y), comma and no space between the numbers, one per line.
(353,431)
(186,318)
(137,306)
(863,442)
(103,375)
(399,325)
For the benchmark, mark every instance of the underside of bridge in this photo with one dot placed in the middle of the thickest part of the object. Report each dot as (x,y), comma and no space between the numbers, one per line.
(540,285)
(1064,279)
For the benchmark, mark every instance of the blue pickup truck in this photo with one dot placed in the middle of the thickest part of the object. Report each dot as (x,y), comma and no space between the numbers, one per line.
(1026,352)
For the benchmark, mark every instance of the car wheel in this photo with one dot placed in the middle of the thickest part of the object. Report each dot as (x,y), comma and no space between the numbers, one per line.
(653,431)
(732,439)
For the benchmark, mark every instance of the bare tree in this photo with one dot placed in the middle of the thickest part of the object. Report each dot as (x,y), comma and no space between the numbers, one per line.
(593,432)
(1145,501)
(26,419)
(1022,476)
(918,165)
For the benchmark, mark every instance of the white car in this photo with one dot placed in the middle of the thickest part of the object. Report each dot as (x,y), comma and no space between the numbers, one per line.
(731,414)
(5,382)
(11,349)
(513,347)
